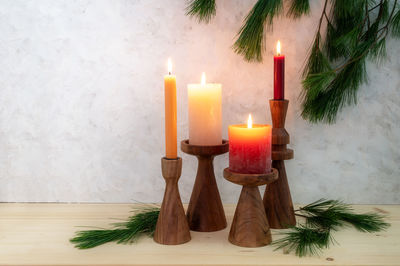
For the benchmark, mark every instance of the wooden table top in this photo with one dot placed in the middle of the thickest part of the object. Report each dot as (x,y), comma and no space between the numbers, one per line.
(39,233)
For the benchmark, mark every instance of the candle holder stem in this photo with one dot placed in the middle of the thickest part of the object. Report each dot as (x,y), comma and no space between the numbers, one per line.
(250,225)
(172,227)
(277,199)
(205,212)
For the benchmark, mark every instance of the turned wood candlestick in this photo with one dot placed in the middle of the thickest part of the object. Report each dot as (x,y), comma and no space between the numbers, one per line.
(172,227)
(250,225)
(205,212)
(277,199)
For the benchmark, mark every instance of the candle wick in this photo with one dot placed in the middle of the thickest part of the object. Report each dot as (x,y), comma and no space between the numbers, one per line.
(169,73)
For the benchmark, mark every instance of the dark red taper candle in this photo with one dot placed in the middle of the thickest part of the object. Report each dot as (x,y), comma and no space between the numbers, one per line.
(279,74)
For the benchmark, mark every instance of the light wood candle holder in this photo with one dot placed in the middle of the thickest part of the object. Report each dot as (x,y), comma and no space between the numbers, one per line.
(172,227)
(205,212)
(250,225)
(277,199)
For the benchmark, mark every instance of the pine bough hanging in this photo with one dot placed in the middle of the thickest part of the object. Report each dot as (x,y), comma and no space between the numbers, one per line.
(348,34)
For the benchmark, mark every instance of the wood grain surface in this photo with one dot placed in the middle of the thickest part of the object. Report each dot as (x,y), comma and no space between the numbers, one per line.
(39,233)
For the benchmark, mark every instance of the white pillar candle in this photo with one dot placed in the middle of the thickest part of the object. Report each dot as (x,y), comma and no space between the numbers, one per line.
(205,115)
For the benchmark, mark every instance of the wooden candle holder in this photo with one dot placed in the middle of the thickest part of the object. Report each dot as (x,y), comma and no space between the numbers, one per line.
(277,199)
(250,225)
(172,227)
(205,212)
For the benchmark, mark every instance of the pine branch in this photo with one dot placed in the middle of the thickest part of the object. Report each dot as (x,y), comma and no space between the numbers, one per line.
(335,214)
(322,205)
(298,8)
(143,222)
(385,9)
(395,26)
(351,38)
(204,10)
(322,217)
(355,32)
(305,241)
(367,222)
(251,40)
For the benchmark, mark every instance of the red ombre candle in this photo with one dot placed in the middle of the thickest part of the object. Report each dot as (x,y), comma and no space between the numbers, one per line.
(279,74)
(250,148)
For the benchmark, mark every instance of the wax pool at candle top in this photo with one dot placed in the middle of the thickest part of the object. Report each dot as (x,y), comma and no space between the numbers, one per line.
(250,149)
(205,115)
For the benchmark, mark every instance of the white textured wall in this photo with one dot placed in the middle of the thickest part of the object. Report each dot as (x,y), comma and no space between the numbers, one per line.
(81,103)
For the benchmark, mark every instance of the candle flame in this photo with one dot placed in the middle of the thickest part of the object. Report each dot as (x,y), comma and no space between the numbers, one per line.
(169,66)
(278,48)
(203,79)
(249,122)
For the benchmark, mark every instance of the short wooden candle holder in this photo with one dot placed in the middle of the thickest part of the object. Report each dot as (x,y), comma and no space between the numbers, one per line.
(205,212)
(277,199)
(172,227)
(250,225)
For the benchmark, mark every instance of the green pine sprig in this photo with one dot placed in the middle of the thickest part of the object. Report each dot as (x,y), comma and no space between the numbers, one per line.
(251,37)
(321,219)
(355,32)
(305,241)
(142,222)
(395,26)
(298,8)
(203,10)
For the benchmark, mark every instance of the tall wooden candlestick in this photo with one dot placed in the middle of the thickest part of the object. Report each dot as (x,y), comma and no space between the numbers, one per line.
(277,199)
(250,225)
(205,212)
(172,227)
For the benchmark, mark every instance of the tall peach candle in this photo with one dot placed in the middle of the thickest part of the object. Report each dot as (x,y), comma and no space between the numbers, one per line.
(205,115)
(170,114)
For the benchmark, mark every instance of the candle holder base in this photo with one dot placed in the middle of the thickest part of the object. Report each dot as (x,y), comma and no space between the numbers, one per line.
(205,212)
(172,227)
(250,226)
(277,199)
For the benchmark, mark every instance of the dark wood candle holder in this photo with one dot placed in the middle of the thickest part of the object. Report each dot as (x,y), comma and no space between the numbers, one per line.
(277,199)
(250,225)
(205,212)
(172,227)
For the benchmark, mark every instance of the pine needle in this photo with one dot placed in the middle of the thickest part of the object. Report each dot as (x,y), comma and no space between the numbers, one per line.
(395,27)
(322,205)
(204,10)
(322,217)
(367,222)
(352,36)
(334,214)
(251,40)
(305,241)
(298,8)
(143,222)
